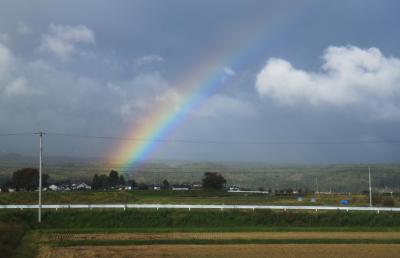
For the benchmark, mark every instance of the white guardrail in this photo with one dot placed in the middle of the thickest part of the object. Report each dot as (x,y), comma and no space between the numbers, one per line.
(198,206)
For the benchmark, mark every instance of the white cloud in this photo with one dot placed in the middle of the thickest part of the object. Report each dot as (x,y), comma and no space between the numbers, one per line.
(58,100)
(229,71)
(23,29)
(364,78)
(35,94)
(64,41)
(18,87)
(222,106)
(6,61)
(4,38)
(147,60)
(142,94)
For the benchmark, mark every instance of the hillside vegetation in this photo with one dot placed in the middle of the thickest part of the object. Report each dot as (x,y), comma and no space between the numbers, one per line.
(337,178)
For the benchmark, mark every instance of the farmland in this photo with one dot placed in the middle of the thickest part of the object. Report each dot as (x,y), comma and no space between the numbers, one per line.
(182,233)
(222,244)
(212,233)
(250,250)
(196,233)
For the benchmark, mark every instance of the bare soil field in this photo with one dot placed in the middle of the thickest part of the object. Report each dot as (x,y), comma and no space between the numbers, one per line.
(250,250)
(222,250)
(223,236)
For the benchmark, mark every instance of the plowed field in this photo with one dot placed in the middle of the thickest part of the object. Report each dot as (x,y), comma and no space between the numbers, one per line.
(250,250)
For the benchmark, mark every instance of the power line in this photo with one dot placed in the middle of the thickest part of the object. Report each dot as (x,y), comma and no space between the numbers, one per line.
(230,142)
(221,142)
(188,169)
(15,134)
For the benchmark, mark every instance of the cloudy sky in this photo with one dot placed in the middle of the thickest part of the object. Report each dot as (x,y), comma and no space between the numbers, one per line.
(290,71)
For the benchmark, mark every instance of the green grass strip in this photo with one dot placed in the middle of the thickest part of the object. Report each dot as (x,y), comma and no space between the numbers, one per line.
(220,242)
(216,229)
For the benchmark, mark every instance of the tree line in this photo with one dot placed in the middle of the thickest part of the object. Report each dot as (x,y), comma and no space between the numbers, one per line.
(27,179)
(113,180)
(211,181)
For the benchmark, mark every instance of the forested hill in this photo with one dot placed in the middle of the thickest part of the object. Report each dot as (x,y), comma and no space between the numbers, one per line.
(336,177)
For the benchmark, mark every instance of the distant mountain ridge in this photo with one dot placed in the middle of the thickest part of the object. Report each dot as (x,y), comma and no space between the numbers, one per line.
(19,158)
(336,177)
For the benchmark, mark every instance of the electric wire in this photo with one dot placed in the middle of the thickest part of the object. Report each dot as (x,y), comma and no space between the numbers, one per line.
(221,142)
(15,134)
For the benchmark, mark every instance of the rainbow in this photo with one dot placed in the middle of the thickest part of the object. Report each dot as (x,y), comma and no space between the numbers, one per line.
(202,82)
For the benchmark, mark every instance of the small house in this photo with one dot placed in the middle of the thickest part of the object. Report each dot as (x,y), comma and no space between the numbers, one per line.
(83,186)
(53,188)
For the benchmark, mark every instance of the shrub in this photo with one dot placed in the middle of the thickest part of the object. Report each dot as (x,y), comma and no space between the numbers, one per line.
(388,201)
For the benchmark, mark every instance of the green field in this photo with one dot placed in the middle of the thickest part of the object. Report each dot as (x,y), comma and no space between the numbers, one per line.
(184,197)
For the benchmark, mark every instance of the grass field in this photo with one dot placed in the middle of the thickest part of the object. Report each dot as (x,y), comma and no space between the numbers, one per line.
(11,234)
(137,218)
(178,197)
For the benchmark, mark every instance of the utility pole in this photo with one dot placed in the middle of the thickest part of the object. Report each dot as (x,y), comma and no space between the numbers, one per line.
(370,188)
(40,177)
